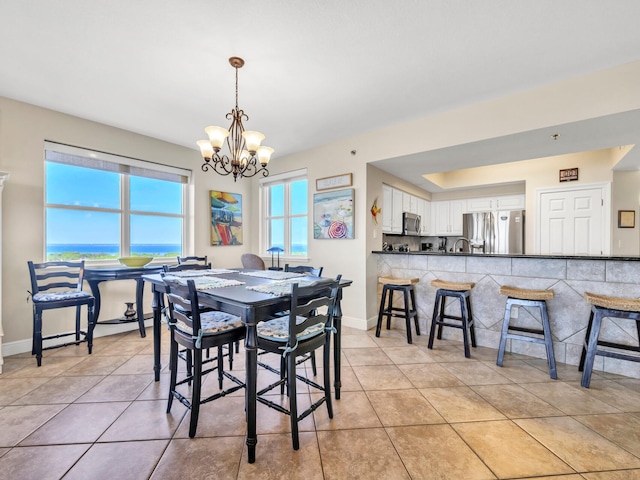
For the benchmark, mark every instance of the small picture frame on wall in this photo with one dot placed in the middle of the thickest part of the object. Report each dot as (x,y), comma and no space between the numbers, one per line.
(626,218)
(327,183)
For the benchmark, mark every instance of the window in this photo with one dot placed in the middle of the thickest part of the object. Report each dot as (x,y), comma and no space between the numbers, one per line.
(284,218)
(100,206)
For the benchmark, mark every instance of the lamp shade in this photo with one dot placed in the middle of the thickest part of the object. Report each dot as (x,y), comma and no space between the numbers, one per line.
(275,250)
(264,155)
(206,150)
(252,140)
(217,136)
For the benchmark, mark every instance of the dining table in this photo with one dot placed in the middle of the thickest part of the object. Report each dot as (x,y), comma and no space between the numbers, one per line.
(252,307)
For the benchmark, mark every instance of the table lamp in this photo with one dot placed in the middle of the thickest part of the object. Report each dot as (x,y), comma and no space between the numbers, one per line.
(277,250)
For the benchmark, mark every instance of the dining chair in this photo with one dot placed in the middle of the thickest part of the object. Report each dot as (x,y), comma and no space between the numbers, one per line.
(196,330)
(250,260)
(316,272)
(193,259)
(185,354)
(59,285)
(304,330)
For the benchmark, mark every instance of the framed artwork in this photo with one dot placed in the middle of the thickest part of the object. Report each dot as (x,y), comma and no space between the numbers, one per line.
(626,218)
(333,214)
(327,183)
(226,218)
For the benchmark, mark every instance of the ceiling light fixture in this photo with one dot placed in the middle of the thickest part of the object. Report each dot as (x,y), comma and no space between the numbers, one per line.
(244,146)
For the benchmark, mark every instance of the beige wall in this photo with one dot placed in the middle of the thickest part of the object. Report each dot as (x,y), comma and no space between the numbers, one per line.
(23,129)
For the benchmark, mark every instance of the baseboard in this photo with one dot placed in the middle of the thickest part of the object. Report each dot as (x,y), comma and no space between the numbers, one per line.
(101,330)
(357,323)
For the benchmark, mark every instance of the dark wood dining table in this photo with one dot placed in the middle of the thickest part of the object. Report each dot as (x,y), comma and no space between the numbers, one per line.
(252,307)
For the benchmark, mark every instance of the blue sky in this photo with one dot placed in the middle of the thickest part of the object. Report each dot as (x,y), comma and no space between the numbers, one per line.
(70,185)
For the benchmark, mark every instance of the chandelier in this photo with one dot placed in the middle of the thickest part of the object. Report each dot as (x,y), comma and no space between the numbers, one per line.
(245,151)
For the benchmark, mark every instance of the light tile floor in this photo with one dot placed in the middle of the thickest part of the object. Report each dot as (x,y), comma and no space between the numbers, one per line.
(405,412)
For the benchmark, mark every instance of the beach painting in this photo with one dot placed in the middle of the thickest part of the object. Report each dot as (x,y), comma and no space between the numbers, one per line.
(226,218)
(333,214)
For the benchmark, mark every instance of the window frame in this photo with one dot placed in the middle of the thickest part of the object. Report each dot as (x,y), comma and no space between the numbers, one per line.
(125,167)
(265,219)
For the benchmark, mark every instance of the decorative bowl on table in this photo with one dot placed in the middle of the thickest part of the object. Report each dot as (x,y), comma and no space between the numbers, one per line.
(134,262)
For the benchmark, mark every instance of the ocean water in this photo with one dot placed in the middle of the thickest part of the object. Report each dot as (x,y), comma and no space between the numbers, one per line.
(113,249)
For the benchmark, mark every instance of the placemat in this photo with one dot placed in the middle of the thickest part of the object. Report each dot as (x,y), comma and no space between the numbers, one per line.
(205,283)
(201,272)
(273,274)
(280,289)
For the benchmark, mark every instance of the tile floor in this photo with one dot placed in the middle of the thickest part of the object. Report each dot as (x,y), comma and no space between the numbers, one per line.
(405,412)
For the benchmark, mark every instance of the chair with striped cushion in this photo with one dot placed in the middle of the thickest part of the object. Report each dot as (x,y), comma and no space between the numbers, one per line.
(307,328)
(196,329)
(59,285)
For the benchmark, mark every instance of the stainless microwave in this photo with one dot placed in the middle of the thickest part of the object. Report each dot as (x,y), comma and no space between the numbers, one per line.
(410,224)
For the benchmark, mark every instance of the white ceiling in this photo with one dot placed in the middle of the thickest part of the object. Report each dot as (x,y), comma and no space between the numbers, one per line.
(317,70)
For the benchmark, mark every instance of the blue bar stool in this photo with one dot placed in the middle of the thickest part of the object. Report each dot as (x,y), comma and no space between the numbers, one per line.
(527,298)
(460,291)
(406,286)
(613,307)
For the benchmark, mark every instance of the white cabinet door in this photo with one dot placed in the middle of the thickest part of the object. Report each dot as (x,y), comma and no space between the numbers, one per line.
(484,204)
(386,208)
(456,209)
(447,217)
(510,202)
(440,212)
(396,217)
(425,226)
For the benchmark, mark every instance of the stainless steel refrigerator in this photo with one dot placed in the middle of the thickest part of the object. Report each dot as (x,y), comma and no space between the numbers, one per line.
(494,232)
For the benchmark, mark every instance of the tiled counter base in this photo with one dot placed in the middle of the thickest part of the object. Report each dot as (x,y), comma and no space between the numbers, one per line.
(568,311)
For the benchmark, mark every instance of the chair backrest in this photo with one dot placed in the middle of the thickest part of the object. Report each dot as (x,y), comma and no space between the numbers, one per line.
(250,260)
(56,276)
(316,272)
(193,260)
(306,303)
(183,303)
(186,266)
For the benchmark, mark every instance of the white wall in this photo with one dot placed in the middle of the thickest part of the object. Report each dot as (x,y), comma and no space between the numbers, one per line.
(23,130)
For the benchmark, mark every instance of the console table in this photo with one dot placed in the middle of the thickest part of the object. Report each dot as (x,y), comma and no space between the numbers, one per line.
(96,275)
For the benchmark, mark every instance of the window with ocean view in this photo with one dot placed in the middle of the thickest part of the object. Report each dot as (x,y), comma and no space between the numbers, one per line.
(101,206)
(285,213)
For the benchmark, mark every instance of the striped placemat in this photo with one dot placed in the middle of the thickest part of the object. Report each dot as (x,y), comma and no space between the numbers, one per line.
(273,274)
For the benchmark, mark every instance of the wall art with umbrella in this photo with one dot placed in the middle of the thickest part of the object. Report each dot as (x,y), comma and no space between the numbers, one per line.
(333,214)
(226,218)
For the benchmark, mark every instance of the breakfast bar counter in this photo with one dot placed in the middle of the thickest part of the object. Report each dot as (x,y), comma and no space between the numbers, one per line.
(568,276)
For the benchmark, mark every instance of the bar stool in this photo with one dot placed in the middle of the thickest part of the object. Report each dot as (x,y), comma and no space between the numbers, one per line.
(613,307)
(461,291)
(408,310)
(528,298)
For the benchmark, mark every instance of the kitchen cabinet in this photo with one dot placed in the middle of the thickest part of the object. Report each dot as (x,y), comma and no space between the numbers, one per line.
(391,210)
(409,203)
(424,210)
(502,202)
(447,217)
(394,202)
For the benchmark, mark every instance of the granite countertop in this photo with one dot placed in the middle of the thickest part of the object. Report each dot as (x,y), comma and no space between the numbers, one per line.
(621,258)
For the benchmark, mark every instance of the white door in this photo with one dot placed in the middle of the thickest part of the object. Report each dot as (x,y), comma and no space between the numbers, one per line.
(573,222)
